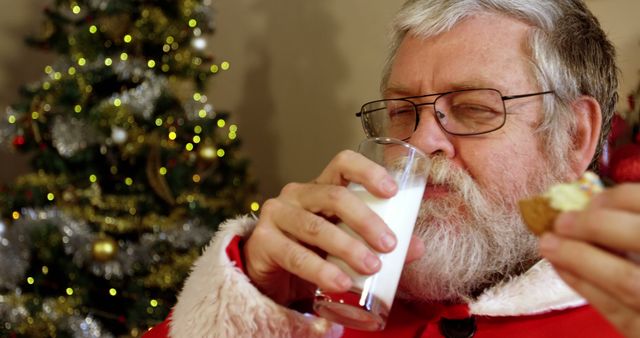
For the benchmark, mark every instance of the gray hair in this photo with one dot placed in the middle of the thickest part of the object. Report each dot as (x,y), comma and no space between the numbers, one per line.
(570,54)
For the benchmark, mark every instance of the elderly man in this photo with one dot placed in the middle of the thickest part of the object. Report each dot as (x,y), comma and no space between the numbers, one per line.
(539,82)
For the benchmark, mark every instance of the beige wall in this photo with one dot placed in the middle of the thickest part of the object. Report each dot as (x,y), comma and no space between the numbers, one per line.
(299,70)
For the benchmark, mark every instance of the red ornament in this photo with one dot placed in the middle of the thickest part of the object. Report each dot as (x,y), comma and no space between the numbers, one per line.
(625,163)
(18,141)
(618,128)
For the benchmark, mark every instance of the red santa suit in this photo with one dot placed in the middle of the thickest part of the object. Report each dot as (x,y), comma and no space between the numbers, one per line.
(218,300)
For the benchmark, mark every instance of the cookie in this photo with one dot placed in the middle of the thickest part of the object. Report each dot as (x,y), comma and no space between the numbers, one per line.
(539,212)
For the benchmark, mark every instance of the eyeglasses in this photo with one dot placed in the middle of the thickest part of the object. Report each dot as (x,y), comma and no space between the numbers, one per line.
(461,112)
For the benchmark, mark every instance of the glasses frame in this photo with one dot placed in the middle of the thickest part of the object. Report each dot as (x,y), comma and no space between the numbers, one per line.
(361,114)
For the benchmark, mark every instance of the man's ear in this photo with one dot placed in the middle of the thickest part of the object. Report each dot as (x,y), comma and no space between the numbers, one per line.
(587,133)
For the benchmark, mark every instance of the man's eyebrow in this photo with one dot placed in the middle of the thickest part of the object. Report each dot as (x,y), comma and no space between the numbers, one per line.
(397,91)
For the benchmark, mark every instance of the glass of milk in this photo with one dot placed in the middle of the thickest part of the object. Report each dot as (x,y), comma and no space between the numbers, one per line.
(367,304)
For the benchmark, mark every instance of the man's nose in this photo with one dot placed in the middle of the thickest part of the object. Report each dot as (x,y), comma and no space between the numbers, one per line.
(430,137)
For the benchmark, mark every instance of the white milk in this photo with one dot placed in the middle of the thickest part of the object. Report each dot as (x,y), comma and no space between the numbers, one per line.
(399,213)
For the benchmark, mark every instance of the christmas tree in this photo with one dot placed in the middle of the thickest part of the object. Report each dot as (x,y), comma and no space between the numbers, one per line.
(133,169)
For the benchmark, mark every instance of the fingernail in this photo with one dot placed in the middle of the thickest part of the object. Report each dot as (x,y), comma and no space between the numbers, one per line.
(388,241)
(389,185)
(343,281)
(549,242)
(371,262)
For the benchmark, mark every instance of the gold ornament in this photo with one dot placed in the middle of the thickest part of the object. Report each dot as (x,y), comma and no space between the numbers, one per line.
(158,182)
(104,249)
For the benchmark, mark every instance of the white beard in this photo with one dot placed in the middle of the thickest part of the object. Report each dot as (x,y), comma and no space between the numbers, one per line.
(473,238)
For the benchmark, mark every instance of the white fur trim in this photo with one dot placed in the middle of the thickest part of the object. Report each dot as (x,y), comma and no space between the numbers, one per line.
(218,300)
(538,290)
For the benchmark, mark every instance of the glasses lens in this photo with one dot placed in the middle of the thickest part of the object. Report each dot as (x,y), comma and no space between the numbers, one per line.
(389,118)
(470,111)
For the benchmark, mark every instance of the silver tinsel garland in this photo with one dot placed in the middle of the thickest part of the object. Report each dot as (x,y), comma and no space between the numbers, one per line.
(78,238)
(14,255)
(12,316)
(70,135)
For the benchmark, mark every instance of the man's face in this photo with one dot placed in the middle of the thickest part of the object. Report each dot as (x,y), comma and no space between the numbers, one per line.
(469,221)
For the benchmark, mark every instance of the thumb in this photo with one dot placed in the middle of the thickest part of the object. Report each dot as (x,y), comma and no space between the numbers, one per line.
(416,249)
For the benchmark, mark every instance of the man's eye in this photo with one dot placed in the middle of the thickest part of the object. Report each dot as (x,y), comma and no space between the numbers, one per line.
(399,112)
(474,111)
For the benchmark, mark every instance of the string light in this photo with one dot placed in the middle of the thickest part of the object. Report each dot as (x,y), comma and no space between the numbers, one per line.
(128,181)
(35,115)
(46,85)
(75,9)
(199,43)
(151,63)
(169,39)
(127,38)
(117,102)
(30,280)
(51,196)
(255,206)
(108,62)
(82,61)
(45,270)
(124,56)
(172,135)
(158,122)
(93,29)
(48,70)
(113,292)
(162,171)
(77,108)
(197,96)
(11,119)
(193,23)
(189,147)
(196,139)
(225,65)
(207,152)
(93,178)
(196,178)
(220,152)
(71,70)
(15,215)
(197,129)
(202,113)
(69,291)
(221,123)
(214,69)
(153,303)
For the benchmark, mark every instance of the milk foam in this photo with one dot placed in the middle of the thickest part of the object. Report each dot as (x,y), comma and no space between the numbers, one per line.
(399,213)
